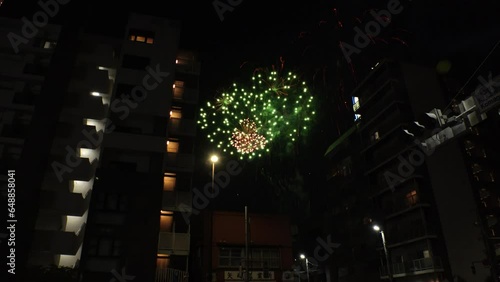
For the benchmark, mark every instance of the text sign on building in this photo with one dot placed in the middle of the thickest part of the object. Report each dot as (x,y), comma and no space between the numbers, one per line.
(487,95)
(230,276)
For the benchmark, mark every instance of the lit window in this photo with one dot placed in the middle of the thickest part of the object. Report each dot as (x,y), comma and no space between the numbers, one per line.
(179,83)
(169,180)
(49,45)
(172,146)
(146,37)
(356,117)
(175,113)
(166,222)
(162,262)
(412,198)
(355,103)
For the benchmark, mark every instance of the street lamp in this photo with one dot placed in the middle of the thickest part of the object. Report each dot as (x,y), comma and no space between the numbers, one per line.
(302,256)
(213,159)
(378,229)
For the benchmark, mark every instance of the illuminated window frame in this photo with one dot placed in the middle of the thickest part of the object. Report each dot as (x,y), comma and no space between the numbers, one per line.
(141,36)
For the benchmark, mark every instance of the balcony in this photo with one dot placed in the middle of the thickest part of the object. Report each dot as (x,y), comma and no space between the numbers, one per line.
(177,201)
(170,243)
(407,234)
(171,275)
(385,94)
(414,267)
(187,66)
(58,242)
(182,127)
(185,95)
(179,162)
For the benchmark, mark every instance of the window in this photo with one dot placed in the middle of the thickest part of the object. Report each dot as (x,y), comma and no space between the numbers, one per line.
(355,103)
(135,62)
(178,89)
(141,36)
(231,257)
(259,257)
(178,83)
(375,136)
(49,45)
(169,180)
(124,89)
(166,221)
(111,202)
(176,112)
(124,166)
(412,198)
(262,258)
(172,146)
(105,247)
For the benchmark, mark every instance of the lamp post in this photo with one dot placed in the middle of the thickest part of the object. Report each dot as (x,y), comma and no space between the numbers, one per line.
(213,160)
(302,256)
(378,229)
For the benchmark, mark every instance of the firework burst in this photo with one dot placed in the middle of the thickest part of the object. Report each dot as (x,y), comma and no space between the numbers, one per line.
(272,112)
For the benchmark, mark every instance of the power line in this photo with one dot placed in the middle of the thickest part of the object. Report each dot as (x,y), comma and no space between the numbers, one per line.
(473,75)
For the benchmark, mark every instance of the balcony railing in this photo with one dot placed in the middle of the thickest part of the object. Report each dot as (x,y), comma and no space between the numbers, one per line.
(177,201)
(414,267)
(188,66)
(185,127)
(407,234)
(187,95)
(177,161)
(171,275)
(171,243)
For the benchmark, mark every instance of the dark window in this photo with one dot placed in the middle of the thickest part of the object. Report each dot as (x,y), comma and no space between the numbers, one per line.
(124,166)
(104,247)
(128,129)
(123,89)
(135,62)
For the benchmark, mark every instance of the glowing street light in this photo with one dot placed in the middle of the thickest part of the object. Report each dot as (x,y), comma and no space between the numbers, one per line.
(302,256)
(214,159)
(378,229)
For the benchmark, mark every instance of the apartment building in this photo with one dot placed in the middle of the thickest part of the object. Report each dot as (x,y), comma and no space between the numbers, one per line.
(22,76)
(348,211)
(119,155)
(143,183)
(436,209)
(385,105)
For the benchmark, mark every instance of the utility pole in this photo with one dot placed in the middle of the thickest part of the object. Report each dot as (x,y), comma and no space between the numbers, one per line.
(247,278)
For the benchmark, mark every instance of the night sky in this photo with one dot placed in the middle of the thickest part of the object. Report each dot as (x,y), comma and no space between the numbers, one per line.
(258,32)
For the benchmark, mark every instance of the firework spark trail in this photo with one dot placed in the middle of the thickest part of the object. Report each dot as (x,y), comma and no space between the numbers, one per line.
(275,109)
